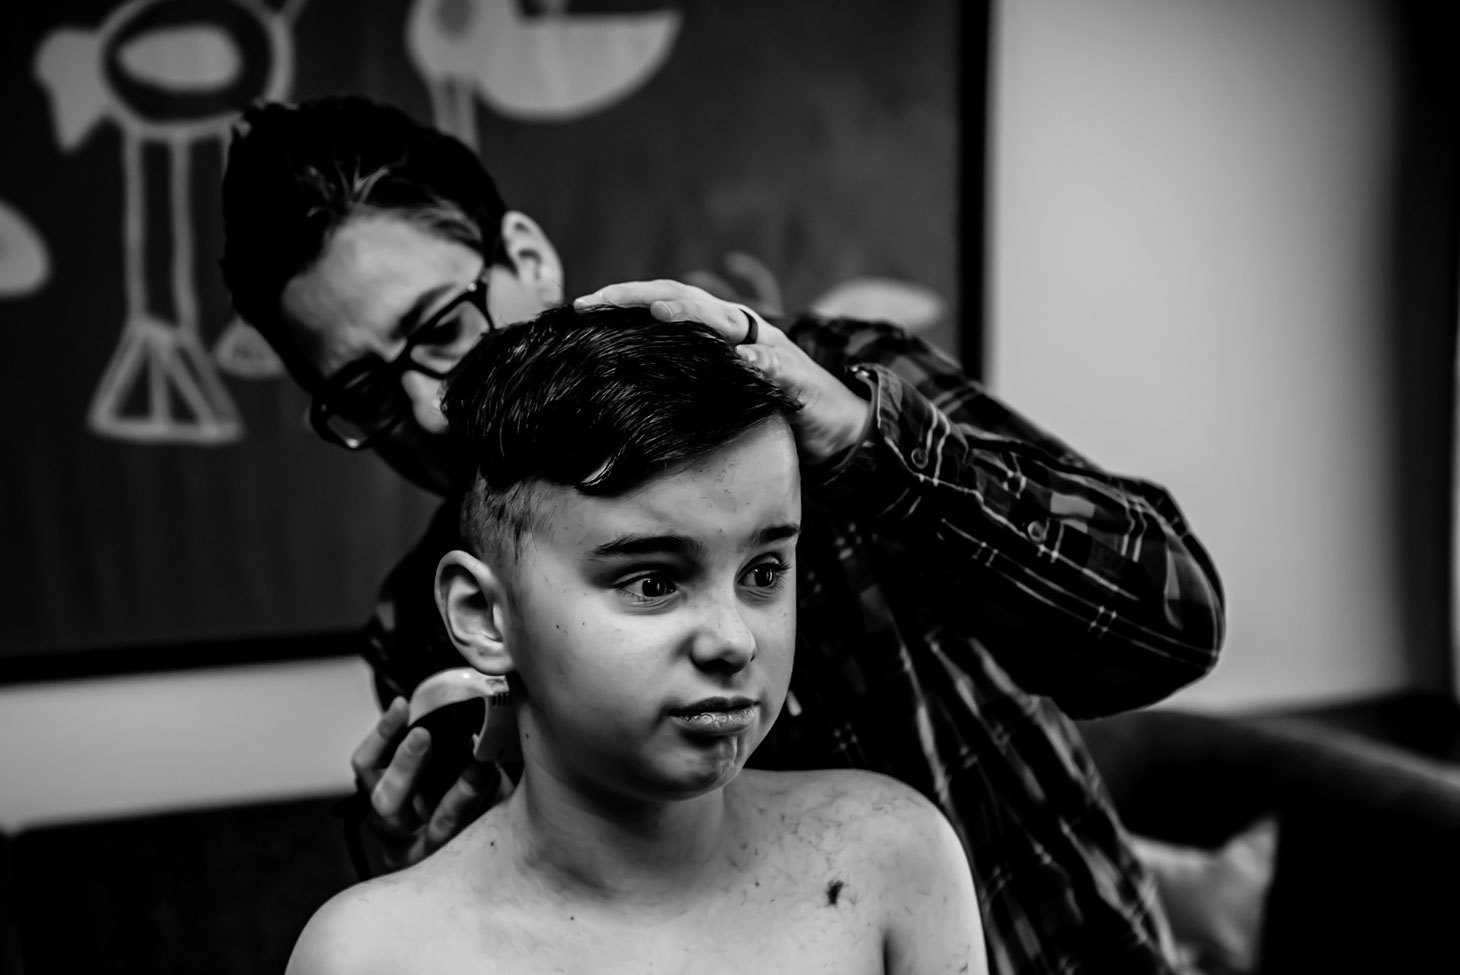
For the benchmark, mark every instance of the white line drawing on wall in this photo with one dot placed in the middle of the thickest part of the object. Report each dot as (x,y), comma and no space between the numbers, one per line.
(25,263)
(763,292)
(916,307)
(553,66)
(173,73)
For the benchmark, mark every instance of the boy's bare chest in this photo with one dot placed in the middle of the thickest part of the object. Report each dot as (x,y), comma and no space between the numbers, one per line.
(735,942)
(772,923)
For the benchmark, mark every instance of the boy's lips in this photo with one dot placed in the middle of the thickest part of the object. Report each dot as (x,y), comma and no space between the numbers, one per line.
(716,715)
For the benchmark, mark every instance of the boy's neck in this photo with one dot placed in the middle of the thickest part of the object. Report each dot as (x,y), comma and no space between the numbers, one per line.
(588,847)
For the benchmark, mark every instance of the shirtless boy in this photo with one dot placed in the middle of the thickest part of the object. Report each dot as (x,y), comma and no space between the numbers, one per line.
(633,525)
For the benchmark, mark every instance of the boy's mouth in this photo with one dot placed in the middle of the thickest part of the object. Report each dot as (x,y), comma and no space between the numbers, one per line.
(716,715)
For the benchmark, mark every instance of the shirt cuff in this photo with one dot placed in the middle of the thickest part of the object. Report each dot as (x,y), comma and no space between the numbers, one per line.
(871,475)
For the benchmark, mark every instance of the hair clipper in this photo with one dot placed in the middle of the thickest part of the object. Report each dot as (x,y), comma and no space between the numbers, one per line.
(470,716)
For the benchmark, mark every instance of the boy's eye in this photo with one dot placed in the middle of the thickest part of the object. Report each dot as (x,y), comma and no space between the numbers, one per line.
(649,588)
(654,587)
(767,575)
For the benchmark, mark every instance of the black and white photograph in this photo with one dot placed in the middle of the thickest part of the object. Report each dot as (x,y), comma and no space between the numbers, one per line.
(875,487)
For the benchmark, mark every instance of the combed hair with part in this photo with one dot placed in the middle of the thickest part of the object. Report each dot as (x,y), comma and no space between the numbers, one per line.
(599,400)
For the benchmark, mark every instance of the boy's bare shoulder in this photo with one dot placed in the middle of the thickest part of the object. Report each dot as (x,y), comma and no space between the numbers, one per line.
(851,807)
(409,920)
(346,935)
(838,794)
(361,929)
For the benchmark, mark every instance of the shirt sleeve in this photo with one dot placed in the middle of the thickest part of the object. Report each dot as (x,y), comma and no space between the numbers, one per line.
(1085,586)
(405,640)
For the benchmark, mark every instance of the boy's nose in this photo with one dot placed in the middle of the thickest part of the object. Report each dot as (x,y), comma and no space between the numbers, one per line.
(726,641)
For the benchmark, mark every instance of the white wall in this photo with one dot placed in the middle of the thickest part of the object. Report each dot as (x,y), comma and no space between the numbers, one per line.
(1188,249)
(83,749)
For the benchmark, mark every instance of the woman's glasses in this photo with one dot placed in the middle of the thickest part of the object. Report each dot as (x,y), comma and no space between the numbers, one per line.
(364,399)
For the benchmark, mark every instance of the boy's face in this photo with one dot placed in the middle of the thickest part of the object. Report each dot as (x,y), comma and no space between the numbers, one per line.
(655,631)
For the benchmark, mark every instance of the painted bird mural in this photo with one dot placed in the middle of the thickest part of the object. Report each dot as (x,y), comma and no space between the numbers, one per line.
(172,73)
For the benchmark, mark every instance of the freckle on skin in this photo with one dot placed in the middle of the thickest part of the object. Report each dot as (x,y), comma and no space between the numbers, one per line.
(833,891)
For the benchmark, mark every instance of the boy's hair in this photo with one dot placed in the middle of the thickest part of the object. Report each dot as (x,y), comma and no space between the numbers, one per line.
(599,400)
(295,173)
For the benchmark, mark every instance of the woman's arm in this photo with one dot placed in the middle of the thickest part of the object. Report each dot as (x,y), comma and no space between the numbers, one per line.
(1086,586)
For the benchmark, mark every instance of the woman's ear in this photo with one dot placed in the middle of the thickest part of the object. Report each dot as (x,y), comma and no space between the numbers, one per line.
(472,600)
(533,257)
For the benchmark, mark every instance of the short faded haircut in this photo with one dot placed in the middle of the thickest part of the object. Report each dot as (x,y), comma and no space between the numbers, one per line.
(599,400)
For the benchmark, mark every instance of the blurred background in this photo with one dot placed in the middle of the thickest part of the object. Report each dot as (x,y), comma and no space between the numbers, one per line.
(1208,242)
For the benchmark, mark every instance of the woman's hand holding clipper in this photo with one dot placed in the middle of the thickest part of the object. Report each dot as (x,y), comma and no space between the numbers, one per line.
(388,767)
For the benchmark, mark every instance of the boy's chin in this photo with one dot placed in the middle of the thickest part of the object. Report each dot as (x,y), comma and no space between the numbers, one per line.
(714,769)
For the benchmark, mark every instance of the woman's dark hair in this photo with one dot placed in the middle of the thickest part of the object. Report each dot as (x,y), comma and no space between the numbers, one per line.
(296,172)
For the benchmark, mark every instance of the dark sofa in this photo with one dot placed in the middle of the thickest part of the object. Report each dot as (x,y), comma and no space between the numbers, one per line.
(1367,872)
(221,891)
(1367,875)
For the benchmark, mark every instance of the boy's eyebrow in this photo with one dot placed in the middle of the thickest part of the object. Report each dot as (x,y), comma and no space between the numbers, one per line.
(775,533)
(642,543)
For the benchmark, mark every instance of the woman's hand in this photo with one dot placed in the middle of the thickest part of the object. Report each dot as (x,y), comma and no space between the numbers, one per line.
(388,766)
(832,416)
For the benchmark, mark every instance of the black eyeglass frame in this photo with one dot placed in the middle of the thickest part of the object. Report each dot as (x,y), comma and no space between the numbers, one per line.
(374,369)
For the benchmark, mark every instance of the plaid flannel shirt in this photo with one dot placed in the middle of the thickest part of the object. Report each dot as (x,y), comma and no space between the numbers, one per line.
(967,584)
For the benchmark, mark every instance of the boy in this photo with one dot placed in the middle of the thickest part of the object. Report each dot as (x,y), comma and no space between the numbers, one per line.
(633,523)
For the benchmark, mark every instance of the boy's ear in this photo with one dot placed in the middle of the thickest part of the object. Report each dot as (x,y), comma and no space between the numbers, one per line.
(472,600)
(535,258)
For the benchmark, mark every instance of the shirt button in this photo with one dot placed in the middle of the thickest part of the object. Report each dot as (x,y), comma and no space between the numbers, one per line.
(1037,531)
(919,458)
